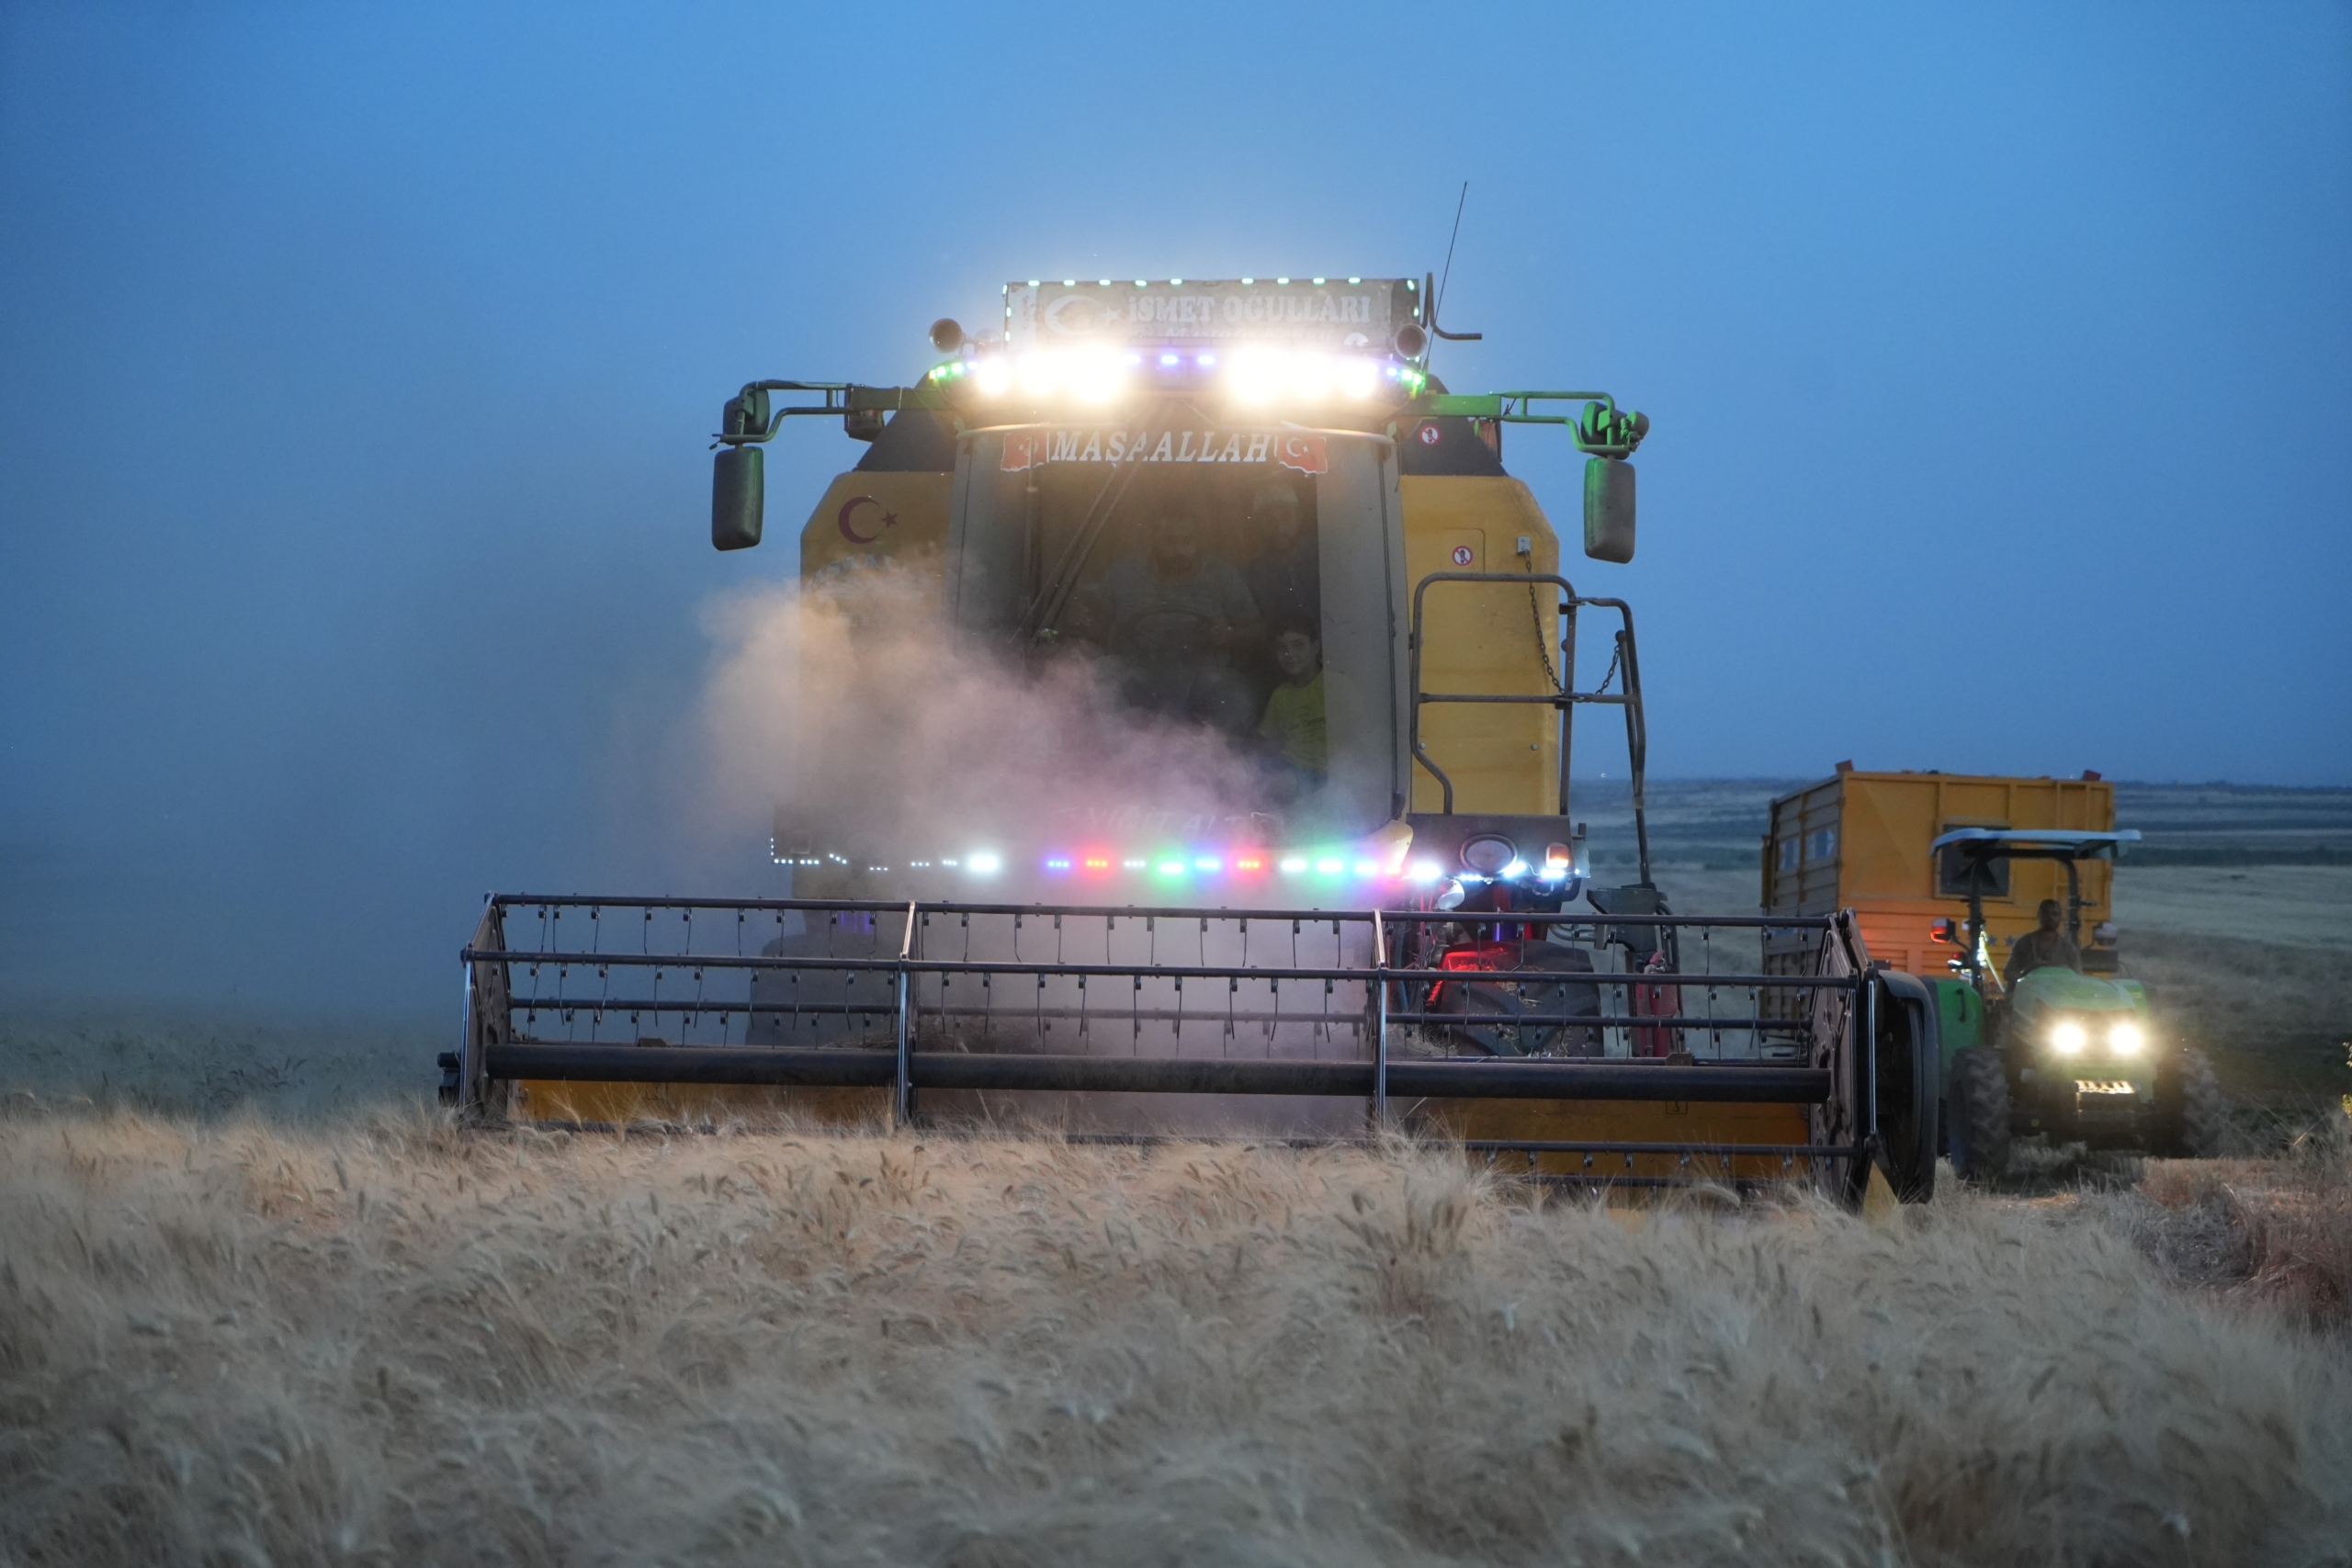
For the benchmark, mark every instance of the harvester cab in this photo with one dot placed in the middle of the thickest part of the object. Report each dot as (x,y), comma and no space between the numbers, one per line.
(1247,513)
(2066,1048)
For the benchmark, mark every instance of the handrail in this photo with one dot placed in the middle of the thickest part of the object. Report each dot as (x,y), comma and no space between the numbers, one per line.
(1564,699)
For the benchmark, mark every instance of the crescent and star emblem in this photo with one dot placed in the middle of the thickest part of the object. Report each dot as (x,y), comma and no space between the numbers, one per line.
(849,511)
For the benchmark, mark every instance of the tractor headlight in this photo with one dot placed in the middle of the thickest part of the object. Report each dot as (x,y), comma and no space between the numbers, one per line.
(2067,1039)
(2125,1039)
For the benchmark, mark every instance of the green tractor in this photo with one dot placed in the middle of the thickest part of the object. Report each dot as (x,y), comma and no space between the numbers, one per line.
(2072,1053)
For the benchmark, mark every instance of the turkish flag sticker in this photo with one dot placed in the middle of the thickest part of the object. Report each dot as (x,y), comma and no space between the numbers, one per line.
(1305,453)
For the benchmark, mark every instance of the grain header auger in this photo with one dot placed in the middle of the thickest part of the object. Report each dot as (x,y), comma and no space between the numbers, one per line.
(1250,508)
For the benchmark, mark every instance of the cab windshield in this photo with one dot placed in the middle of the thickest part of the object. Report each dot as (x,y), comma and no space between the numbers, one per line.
(1239,582)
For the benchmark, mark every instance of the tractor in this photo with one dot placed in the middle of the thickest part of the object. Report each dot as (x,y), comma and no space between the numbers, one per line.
(2074,1055)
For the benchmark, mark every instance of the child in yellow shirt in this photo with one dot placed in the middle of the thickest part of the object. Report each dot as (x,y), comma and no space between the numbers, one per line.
(1294,724)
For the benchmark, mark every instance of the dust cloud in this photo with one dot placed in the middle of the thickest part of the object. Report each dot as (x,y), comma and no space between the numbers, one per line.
(858,716)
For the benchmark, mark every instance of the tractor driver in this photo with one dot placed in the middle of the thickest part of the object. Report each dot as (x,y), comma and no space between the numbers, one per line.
(1174,611)
(2044,948)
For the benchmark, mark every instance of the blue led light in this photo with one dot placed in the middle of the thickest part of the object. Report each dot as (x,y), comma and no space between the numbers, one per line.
(1057,862)
(1171,359)
(1207,360)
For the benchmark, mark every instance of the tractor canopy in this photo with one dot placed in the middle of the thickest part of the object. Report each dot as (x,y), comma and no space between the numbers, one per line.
(1983,845)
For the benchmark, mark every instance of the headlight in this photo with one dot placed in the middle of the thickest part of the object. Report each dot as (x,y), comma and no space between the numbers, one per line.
(2067,1039)
(1489,855)
(2125,1039)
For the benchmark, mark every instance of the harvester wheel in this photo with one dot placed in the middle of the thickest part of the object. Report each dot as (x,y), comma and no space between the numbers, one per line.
(2191,1115)
(1979,1108)
(1909,1059)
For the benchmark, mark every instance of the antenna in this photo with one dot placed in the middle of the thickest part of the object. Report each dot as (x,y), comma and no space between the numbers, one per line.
(1436,296)
(1448,276)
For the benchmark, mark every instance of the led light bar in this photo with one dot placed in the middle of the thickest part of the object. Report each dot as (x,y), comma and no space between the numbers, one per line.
(1252,377)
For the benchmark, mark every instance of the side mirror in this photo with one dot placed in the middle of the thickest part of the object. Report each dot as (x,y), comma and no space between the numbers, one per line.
(738,498)
(1609,510)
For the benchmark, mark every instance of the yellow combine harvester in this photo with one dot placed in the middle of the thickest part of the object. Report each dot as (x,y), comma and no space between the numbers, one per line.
(1246,512)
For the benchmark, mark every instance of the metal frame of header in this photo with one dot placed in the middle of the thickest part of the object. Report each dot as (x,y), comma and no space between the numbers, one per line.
(1826,1013)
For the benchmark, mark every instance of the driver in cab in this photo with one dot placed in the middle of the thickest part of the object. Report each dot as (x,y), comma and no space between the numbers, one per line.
(2045,947)
(1175,611)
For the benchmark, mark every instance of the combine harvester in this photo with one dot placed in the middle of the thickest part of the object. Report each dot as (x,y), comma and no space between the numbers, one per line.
(1395,927)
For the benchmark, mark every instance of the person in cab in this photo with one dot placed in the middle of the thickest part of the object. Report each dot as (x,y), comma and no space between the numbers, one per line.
(2043,948)
(1172,615)
(1295,727)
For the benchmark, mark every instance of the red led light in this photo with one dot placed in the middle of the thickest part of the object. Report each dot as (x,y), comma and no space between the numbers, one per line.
(1251,865)
(1097,862)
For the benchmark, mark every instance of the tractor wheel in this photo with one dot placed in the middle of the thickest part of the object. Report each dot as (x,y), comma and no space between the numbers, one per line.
(2191,1114)
(1978,1123)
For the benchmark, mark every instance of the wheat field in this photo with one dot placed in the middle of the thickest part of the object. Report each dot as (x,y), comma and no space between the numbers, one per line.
(385,1339)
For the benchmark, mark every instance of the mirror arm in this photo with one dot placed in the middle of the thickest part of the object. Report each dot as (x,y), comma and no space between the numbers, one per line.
(1601,430)
(841,397)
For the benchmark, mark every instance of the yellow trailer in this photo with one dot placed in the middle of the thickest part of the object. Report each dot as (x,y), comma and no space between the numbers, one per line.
(1861,841)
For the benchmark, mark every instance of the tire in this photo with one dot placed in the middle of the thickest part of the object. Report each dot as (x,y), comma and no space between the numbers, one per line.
(1978,1100)
(1909,1060)
(2191,1116)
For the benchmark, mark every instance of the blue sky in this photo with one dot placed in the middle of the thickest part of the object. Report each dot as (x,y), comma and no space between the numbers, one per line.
(357,366)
